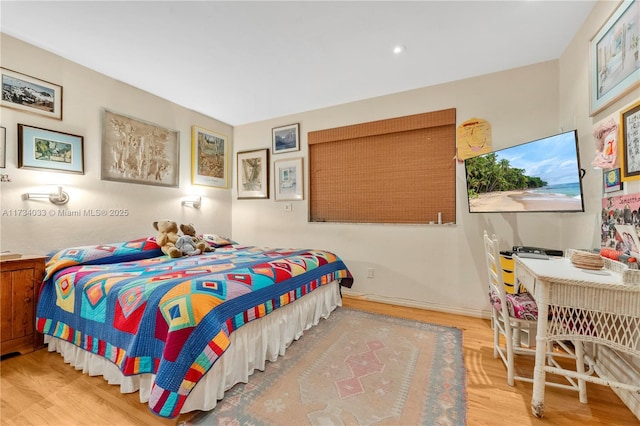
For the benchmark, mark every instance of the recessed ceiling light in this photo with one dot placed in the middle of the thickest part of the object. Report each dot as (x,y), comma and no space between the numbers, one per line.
(399,49)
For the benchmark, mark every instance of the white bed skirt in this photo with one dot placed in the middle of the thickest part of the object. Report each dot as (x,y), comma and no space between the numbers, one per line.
(251,346)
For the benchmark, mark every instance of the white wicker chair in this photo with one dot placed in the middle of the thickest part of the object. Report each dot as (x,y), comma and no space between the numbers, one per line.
(506,324)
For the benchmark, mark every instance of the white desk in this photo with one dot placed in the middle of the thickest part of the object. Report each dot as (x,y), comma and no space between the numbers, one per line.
(583,307)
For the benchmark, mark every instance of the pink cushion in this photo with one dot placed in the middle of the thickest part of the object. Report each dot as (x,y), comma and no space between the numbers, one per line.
(520,306)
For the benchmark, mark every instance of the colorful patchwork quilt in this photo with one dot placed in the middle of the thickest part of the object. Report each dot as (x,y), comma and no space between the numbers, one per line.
(148,313)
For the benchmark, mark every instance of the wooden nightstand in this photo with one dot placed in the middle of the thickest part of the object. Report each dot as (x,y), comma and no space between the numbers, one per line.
(20,281)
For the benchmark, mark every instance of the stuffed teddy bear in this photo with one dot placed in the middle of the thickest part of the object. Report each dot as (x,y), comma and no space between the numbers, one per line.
(201,244)
(167,237)
(187,245)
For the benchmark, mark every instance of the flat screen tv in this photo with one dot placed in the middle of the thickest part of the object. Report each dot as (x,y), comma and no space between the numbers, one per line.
(543,175)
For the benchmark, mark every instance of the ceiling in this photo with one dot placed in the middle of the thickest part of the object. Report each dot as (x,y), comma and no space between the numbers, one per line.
(241,61)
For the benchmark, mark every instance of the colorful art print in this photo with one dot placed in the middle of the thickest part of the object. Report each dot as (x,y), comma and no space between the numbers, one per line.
(136,151)
(618,210)
(286,138)
(630,131)
(614,51)
(209,158)
(253,174)
(30,94)
(612,180)
(43,149)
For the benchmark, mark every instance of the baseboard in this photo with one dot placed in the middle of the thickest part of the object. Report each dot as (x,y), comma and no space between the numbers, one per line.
(418,304)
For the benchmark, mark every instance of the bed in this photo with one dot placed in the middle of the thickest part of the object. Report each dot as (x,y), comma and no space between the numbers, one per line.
(182,331)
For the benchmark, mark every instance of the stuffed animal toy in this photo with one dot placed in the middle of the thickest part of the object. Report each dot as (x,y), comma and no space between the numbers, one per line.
(187,245)
(167,237)
(200,243)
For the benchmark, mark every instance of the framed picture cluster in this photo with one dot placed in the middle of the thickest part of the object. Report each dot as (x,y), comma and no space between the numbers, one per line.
(253,168)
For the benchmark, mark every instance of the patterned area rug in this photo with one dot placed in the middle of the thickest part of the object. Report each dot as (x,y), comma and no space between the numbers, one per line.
(355,368)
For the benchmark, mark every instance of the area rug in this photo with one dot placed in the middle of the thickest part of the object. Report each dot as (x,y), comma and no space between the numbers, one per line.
(355,368)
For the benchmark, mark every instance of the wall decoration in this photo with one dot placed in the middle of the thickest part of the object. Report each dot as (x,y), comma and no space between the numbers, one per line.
(210,153)
(618,210)
(30,94)
(627,240)
(253,174)
(289,180)
(473,137)
(42,149)
(286,138)
(606,136)
(137,151)
(611,180)
(615,66)
(630,131)
(3,147)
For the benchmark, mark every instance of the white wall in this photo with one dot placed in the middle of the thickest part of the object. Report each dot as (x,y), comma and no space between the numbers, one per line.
(439,267)
(574,108)
(85,94)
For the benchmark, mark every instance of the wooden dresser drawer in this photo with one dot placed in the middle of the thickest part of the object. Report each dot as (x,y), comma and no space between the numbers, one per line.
(20,281)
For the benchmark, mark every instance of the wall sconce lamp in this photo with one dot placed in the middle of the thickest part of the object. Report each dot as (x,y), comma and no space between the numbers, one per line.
(60,197)
(195,202)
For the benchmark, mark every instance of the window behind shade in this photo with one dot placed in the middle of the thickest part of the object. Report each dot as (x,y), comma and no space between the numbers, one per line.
(399,170)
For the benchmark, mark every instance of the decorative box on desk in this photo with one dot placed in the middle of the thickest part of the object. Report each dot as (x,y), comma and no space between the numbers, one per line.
(20,281)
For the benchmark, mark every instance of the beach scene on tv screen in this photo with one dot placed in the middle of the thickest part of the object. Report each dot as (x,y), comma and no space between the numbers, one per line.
(542,175)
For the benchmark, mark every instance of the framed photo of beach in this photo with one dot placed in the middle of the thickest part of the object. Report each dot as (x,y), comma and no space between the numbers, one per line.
(611,180)
(614,52)
(630,132)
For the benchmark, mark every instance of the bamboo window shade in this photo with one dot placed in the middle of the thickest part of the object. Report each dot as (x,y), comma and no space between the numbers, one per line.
(399,170)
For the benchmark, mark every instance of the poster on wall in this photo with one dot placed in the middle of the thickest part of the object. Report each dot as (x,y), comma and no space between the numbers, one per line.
(619,211)
(473,137)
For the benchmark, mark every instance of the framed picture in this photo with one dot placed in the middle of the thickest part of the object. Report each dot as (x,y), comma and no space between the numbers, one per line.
(289,180)
(42,149)
(209,158)
(253,174)
(137,151)
(615,66)
(30,94)
(627,240)
(612,181)
(630,132)
(286,138)
(3,147)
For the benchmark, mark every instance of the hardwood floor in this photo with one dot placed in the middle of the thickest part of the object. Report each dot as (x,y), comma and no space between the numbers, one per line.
(40,389)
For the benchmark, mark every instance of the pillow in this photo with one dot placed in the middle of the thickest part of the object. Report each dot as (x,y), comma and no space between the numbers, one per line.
(217,240)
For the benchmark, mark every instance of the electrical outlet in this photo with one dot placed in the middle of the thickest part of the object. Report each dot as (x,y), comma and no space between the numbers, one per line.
(288,207)
(370,273)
